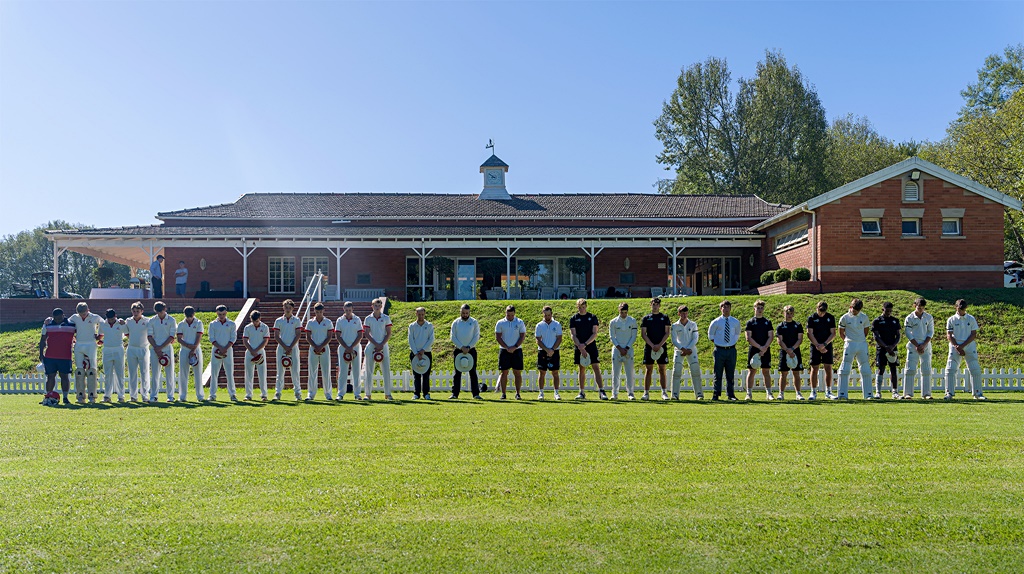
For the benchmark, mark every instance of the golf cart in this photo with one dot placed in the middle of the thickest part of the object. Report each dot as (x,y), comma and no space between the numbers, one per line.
(38,287)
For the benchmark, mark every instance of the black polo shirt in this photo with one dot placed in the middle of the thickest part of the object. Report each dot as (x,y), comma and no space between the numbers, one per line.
(657,324)
(789,331)
(821,327)
(584,325)
(887,329)
(759,329)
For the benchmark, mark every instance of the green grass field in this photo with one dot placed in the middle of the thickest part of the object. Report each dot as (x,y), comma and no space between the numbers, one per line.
(513,487)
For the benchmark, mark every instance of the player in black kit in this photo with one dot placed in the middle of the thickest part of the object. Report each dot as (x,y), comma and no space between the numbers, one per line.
(887,330)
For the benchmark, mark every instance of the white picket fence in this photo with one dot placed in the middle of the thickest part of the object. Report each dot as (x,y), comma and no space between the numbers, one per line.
(992,380)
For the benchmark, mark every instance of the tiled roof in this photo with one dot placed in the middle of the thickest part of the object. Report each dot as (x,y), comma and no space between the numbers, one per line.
(342,231)
(413,206)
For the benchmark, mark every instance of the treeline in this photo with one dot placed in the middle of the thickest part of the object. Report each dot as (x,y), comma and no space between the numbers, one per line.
(771,138)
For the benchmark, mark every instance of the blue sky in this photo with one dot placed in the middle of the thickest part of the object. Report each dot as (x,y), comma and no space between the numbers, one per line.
(113,111)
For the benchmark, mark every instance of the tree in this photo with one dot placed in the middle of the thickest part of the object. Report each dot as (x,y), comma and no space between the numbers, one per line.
(29,252)
(697,127)
(782,133)
(986,142)
(855,149)
(998,80)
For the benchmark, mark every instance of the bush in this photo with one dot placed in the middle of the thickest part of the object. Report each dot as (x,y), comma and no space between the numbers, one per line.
(782,275)
(767,278)
(801,274)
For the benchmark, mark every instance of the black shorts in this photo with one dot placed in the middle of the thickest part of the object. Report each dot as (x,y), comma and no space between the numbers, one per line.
(591,350)
(546,363)
(508,360)
(766,358)
(882,362)
(784,366)
(662,360)
(818,358)
(53,366)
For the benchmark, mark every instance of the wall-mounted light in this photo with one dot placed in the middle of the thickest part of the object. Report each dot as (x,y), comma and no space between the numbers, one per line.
(915,175)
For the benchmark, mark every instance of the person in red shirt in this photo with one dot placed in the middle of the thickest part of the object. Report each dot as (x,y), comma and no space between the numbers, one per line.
(55,351)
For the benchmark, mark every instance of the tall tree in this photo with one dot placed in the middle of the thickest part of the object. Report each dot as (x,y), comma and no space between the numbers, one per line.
(1000,78)
(698,130)
(855,149)
(782,133)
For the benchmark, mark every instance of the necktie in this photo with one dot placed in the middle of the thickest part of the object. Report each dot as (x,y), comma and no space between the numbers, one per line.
(726,331)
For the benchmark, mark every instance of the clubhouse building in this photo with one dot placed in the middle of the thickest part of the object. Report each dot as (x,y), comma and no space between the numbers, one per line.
(913,225)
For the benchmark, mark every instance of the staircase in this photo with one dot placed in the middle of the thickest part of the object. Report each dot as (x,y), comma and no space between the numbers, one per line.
(270,311)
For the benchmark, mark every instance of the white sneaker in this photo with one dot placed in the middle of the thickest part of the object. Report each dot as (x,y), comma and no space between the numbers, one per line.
(615,396)
(980,398)
(540,396)
(631,397)
(896,396)
(749,397)
(675,397)
(664,396)
(830,396)
(582,396)
(814,395)
(277,396)
(646,396)
(558,397)
(948,397)
(781,397)
(799,396)
(768,396)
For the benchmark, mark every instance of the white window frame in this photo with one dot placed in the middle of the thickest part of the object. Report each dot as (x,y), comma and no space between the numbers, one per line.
(791,239)
(959,226)
(917,222)
(313,259)
(281,260)
(877,221)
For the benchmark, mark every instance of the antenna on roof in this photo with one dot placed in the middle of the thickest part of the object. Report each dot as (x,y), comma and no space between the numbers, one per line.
(490,146)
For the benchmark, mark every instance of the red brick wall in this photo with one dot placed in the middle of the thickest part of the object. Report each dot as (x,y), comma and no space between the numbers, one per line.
(643,264)
(841,242)
(224,266)
(14,311)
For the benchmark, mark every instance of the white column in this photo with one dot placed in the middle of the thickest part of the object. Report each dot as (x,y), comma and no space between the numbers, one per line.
(592,252)
(674,253)
(55,294)
(338,252)
(508,252)
(245,252)
(423,252)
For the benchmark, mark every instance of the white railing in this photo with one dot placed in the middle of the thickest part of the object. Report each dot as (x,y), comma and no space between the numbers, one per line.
(402,381)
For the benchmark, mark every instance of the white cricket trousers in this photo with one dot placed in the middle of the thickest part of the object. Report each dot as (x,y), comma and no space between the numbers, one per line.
(696,378)
(855,351)
(973,367)
(183,370)
(321,363)
(910,371)
(252,368)
(227,364)
(622,362)
(344,368)
(155,370)
(369,366)
(296,381)
(138,372)
(113,371)
(83,352)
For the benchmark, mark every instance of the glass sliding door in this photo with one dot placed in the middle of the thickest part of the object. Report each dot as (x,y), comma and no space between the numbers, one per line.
(466,279)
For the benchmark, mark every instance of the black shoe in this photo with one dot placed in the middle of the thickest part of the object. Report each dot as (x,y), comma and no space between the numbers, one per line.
(733,398)
(453,397)
(715,398)
(478,397)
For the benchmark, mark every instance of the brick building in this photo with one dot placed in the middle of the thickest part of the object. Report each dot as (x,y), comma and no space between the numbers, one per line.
(911,225)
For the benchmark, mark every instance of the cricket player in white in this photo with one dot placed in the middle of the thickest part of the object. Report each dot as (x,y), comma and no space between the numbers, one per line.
(548,333)
(377,330)
(919,327)
(161,330)
(962,333)
(138,351)
(86,334)
(112,333)
(319,330)
(190,333)
(223,333)
(286,332)
(853,328)
(255,336)
(349,331)
(684,335)
(623,331)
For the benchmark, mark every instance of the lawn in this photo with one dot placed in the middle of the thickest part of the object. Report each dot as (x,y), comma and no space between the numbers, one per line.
(513,487)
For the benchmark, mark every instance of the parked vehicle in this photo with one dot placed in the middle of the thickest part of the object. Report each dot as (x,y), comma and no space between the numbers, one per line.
(38,287)
(1013,274)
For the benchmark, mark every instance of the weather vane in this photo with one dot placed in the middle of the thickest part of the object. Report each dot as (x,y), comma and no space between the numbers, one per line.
(490,146)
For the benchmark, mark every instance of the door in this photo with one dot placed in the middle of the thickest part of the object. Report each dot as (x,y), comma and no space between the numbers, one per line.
(465,280)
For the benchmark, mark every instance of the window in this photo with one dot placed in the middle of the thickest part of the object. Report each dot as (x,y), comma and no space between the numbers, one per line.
(569,274)
(363,279)
(791,238)
(310,265)
(282,274)
(627,278)
(911,227)
(911,192)
(871,226)
(951,226)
